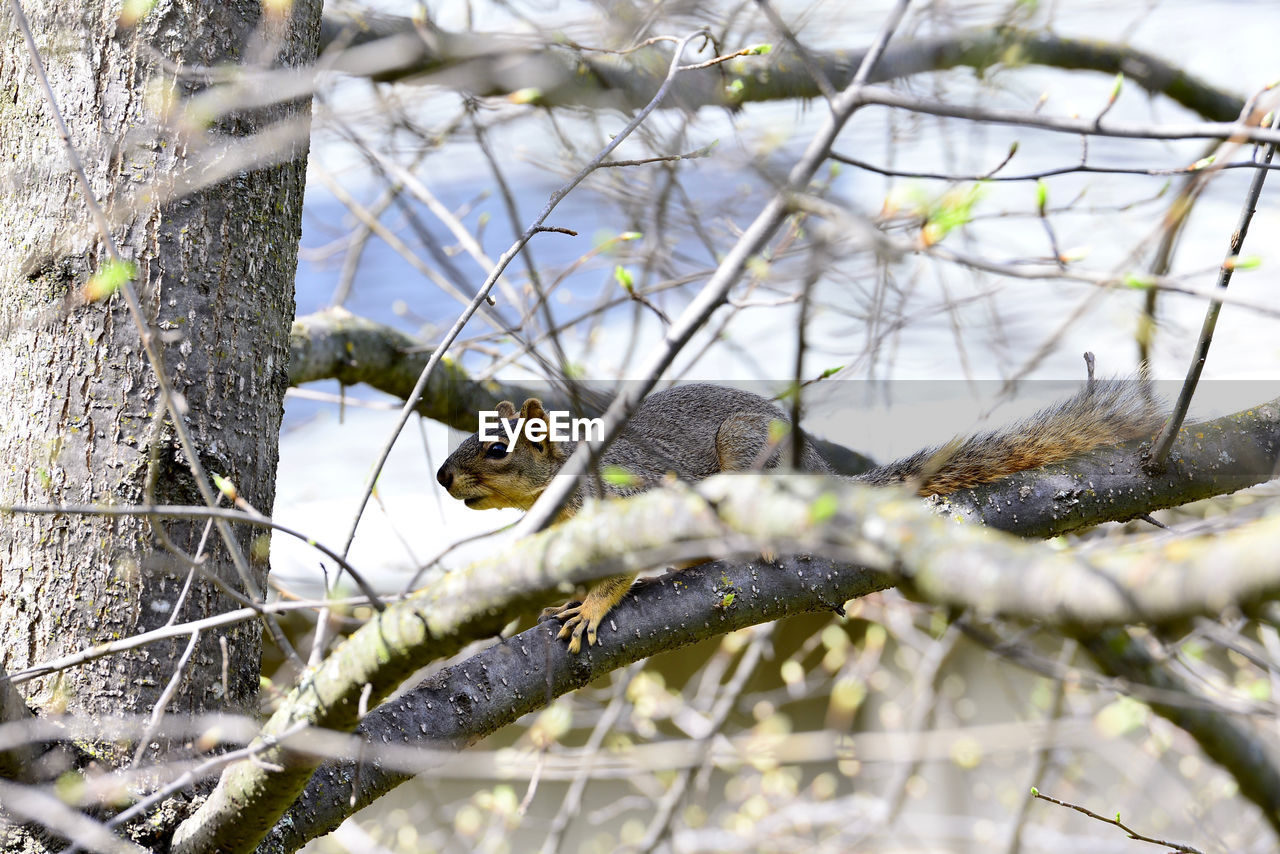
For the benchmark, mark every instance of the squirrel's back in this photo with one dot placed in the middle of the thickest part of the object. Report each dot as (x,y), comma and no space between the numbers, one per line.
(700,429)
(1104,412)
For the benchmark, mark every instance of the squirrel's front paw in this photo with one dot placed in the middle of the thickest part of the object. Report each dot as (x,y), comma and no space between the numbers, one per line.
(584,617)
(579,618)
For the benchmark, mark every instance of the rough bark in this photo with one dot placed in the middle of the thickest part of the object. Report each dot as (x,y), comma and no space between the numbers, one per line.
(77,420)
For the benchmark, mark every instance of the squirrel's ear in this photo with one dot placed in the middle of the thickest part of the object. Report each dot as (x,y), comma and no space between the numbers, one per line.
(532,410)
(506,409)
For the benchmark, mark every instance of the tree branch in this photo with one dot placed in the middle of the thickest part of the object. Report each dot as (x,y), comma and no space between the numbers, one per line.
(336,344)
(464,703)
(389,48)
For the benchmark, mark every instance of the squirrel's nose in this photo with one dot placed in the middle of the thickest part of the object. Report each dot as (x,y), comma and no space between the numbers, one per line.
(445,476)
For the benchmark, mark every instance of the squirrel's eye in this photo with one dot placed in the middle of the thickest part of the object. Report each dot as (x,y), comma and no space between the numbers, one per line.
(496,451)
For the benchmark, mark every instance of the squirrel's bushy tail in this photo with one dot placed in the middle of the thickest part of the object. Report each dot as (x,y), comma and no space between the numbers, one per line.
(1104,412)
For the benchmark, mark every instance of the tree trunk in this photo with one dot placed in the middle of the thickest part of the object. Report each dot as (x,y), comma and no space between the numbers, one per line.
(78,412)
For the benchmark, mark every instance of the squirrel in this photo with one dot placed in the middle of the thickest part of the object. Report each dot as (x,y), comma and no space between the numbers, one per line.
(694,431)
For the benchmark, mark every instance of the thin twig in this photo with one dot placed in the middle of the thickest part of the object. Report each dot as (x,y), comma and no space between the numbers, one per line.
(166,632)
(1079,168)
(725,703)
(814,70)
(572,803)
(1115,822)
(157,714)
(203,770)
(1163,443)
(1027,119)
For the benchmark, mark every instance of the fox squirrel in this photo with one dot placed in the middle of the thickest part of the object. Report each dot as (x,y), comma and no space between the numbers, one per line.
(697,430)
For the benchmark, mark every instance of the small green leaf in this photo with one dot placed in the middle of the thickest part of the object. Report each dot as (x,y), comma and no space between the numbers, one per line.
(1138,283)
(225,486)
(1243,262)
(952,210)
(618,476)
(823,507)
(760,49)
(110,277)
(623,277)
(1042,196)
(1115,89)
(1035,793)
(528,95)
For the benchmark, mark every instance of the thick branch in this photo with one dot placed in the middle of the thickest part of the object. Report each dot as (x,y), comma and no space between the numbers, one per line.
(388,48)
(464,703)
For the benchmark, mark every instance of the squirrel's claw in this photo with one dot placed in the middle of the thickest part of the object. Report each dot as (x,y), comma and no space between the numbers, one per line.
(558,612)
(579,618)
(573,629)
